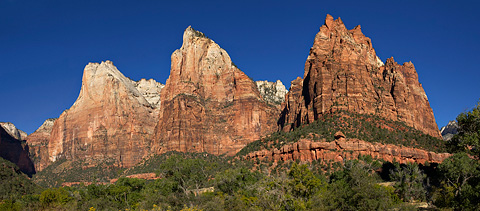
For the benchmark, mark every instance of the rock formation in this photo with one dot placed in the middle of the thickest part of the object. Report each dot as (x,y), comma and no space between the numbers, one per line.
(110,121)
(272,92)
(38,144)
(150,89)
(449,130)
(343,72)
(347,149)
(15,151)
(208,104)
(13,131)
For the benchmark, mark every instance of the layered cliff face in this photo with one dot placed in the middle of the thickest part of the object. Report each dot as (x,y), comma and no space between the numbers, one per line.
(38,144)
(13,131)
(110,121)
(272,92)
(347,149)
(208,104)
(342,72)
(15,151)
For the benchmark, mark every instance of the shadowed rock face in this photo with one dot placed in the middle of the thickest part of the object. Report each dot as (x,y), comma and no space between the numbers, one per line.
(110,121)
(13,131)
(14,151)
(208,104)
(449,130)
(343,72)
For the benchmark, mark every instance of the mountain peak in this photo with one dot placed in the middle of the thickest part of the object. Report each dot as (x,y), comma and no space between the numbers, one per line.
(190,33)
(343,72)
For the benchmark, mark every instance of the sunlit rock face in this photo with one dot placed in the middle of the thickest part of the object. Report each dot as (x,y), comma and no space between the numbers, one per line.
(208,104)
(343,72)
(272,92)
(111,121)
(150,89)
(38,144)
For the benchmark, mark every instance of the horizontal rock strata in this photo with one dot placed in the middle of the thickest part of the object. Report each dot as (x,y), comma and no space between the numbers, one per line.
(347,149)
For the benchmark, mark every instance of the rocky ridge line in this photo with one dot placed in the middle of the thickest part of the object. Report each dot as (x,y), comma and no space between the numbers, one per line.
(343,72)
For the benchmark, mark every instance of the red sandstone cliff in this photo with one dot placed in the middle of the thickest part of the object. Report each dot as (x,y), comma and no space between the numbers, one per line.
(208,104)
(38,144)
(109,121)
(343,72)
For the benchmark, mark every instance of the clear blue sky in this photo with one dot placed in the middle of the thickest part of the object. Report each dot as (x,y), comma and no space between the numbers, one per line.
(44,45)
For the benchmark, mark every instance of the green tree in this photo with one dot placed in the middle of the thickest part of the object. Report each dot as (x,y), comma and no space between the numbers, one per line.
(409,182)
(54,197)
(354,188)
(457,170)
(232,180)
(303,183)
(468,137)
(459,183)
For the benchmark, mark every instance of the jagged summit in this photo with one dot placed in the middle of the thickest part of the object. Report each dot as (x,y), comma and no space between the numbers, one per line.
(343,72)
(208,104)
(190,35)
(191,32)
(449,130)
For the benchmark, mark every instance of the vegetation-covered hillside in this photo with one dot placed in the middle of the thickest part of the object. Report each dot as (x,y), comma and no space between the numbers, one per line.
(365,127)
(64,171)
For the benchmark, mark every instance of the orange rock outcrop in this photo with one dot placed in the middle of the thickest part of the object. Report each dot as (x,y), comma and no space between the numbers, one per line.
(109,121)
(38,144)
(347,149)
(343,72)
(208,104)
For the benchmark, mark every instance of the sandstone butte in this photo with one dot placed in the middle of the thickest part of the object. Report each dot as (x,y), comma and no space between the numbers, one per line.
(110,121)
(343,72)
(346,149)
(208,104)
(15,151)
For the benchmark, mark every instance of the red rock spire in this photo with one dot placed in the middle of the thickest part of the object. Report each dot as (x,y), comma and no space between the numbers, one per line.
(343,72)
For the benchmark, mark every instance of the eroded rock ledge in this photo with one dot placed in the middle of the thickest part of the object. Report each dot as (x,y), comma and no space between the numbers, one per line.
(347,149)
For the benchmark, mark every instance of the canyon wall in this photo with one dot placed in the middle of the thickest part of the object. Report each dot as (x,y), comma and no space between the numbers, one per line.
(208,104)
